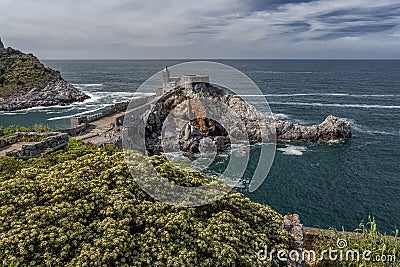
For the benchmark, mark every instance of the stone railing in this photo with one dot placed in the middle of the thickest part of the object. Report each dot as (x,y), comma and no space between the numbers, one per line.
(110,111)
(80,123)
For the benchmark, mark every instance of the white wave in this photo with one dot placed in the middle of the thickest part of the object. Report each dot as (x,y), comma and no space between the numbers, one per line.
(110,97)
(126,94)
(102,93)
(357,127)
(322,94)
(280,116)
(87,84)
(81,113)
(8,113)
(61,117)
(93,98)
(318,94)
(115,95)
(41,108)
(293,150)
(336,141)
(143,93)
(299,94)
(366,95)
(65,109)
(364,129)
(96,98)
(55,112)
(335,105)
(270,71)
(38,109)
(367,130)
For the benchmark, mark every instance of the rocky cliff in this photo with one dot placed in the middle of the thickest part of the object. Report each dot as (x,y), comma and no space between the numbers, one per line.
(194,133)
(25,82)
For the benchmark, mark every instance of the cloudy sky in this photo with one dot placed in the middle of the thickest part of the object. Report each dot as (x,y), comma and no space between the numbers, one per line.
(129,29)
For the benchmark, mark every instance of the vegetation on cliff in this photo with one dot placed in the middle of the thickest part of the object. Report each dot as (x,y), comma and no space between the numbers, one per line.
(26,83)
(368,248)
(20,71)
(82,207)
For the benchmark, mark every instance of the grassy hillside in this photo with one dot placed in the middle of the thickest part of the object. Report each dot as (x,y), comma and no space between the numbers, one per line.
(81,207)
(20,71)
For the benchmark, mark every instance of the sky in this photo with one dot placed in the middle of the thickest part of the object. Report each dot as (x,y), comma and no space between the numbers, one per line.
(202,29)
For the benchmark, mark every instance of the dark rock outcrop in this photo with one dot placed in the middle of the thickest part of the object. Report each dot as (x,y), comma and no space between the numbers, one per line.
(25,83)
(57,92)
(332,128)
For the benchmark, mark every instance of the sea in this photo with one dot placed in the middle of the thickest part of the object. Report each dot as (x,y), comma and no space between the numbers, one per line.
(334,184)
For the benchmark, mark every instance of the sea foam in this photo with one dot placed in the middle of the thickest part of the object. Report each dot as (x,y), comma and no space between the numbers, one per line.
(81,113)
(335,105)
(324,94)
(293,150)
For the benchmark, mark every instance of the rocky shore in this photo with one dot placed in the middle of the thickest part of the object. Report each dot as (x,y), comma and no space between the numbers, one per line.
(57,92)
(332,128)
(203,130)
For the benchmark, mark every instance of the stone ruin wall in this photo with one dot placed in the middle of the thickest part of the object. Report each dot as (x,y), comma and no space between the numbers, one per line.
(33,150)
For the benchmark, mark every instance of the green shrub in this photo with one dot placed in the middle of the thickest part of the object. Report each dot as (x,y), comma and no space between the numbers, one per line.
(82,207)
(35,138)
(368,238)
(12,129)
(9,166)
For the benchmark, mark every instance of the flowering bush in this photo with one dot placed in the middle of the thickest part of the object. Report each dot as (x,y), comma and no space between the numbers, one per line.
(39,128)
(82,207)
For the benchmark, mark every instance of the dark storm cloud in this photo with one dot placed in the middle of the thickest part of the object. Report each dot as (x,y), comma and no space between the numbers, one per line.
(202,29)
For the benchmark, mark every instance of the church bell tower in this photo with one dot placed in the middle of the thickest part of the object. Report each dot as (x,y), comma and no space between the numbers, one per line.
(166,75)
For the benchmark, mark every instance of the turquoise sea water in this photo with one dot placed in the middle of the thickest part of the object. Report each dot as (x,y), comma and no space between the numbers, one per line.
(328,184)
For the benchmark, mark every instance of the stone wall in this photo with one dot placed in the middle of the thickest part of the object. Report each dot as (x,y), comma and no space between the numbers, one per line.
(296,237)
(95,117)
(303,238)
(33,150)
(75,121)
(16,137)
(189,80)
(134,106)
(8,141)
(110,111)
(80,123)
(75,130)
(137,102)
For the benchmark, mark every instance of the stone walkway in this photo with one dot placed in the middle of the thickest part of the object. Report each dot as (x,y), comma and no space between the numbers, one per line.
(101,131)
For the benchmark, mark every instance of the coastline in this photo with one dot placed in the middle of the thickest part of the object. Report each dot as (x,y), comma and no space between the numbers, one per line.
(315,162)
